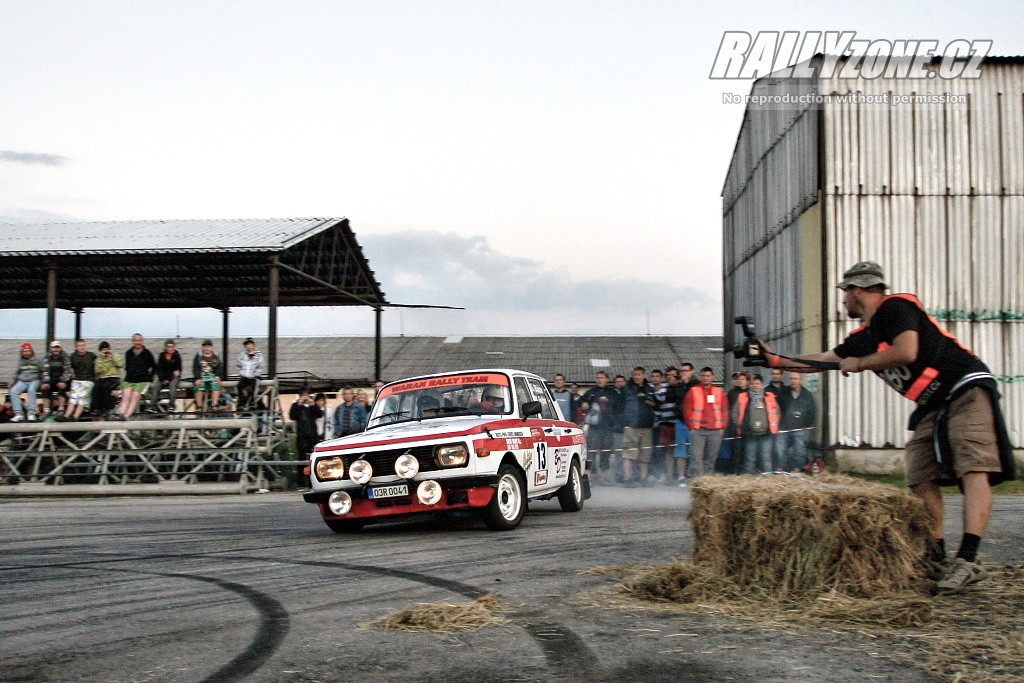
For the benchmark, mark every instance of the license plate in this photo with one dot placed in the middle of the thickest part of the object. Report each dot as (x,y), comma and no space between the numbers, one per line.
(393,491)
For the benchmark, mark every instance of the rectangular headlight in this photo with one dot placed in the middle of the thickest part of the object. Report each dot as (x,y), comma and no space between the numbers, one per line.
(330,468)
(455,455)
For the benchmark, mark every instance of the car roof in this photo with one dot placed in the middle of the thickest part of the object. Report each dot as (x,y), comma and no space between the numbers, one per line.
(472,371)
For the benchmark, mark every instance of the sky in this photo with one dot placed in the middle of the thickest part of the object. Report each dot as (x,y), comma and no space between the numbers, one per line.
(551,167)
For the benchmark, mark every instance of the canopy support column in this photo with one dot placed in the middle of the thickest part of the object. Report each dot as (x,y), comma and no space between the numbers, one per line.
(51,304)
(274,294)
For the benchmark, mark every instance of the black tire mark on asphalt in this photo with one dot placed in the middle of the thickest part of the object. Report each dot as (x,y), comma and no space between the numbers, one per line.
(273,626)
(565,651)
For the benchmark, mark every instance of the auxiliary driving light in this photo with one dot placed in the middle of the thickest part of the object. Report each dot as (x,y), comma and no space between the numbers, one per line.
(429,492)
(407,466)
(340,503)
(360,471)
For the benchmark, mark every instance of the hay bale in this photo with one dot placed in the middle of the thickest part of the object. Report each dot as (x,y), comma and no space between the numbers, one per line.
(793,535)
(445,617)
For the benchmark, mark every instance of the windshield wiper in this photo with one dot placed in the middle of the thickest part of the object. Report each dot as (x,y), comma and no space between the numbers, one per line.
(394,414)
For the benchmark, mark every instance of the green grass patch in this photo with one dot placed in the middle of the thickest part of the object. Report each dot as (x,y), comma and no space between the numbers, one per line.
(1007,488)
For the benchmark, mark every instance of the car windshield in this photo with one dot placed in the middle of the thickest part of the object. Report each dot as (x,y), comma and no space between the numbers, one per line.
(437,397)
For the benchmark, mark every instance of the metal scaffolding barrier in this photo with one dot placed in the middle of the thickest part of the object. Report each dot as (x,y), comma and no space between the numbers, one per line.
(215,451)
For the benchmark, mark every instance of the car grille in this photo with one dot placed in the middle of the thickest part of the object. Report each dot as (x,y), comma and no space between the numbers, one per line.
(383,462)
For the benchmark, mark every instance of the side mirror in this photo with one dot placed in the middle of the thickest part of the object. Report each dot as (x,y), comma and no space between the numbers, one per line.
(531,408)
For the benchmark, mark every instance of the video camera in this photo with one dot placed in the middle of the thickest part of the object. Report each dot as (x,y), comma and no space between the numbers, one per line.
(750,348)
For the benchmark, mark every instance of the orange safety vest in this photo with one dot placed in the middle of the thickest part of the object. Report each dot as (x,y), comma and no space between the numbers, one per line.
(928,374)
(770,403)
(695,401)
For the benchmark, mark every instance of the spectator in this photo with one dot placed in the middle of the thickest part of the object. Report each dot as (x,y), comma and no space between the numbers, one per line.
(324,423)
(615,415)
(304,413)
(637,421)
(26,381)
(139,365)
(56,378)
(168,375)
(734,443)
(349,416)
(705,409)
(597,404)
(83,368)
(363,400)
(250,366)
(776,386)
(108,377)
(563,397)
(682,434)
(207,369)
(799,414)
(756,415)
(665,422)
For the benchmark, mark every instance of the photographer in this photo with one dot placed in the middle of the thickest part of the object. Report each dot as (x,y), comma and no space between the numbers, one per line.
(957,406)
(304,413)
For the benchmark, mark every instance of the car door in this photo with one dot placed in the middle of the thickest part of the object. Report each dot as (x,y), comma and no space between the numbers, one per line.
(556,443)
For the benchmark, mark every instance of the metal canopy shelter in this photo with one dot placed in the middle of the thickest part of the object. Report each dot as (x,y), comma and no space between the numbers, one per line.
(187,264)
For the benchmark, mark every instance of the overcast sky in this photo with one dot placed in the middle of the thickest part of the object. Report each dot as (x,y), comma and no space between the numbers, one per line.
(553,167)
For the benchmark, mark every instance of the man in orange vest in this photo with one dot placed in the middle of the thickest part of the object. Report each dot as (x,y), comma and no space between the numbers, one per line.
(704,410)
(756,415)
(959,432)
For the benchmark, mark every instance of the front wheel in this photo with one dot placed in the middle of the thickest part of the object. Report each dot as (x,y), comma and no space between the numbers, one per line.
(506,509)
(570,496)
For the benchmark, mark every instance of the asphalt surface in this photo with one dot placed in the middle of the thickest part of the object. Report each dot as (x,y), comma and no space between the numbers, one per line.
(256,588)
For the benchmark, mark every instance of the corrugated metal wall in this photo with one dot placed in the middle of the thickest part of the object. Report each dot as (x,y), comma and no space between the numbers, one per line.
(933,191)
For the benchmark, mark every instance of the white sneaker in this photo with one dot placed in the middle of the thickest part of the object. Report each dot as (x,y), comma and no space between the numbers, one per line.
(31,417)
(18,418)
(960,574)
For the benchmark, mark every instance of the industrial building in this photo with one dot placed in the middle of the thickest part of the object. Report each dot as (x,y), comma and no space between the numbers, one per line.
(926,177)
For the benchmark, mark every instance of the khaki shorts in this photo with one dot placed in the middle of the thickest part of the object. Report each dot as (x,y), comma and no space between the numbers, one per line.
(972,435)
(637,443)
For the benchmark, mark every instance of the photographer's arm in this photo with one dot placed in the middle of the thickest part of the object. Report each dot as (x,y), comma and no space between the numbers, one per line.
(793,364)
(902,352)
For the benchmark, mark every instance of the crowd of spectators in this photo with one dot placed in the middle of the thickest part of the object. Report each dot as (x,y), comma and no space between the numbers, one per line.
(109,385)
(670,426)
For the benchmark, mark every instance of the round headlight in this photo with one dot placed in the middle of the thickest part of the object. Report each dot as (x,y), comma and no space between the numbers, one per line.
(340,503)
(451,456)
(330,468)
(407,466)
(360,471)
(429,492)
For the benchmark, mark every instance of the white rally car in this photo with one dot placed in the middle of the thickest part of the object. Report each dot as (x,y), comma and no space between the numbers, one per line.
(481,439)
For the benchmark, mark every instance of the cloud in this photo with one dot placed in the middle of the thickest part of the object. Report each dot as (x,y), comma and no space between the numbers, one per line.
(32,158)
(502,294)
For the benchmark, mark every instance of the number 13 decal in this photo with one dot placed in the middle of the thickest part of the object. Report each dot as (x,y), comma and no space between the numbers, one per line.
(542,455)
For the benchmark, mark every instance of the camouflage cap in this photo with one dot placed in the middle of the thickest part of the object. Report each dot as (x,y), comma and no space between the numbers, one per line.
(864,274)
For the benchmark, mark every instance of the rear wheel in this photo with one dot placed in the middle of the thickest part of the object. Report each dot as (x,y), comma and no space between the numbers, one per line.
(506,509)
(570,496)
(343,526)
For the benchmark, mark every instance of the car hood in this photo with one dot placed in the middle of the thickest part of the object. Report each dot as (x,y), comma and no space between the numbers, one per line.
(427,429)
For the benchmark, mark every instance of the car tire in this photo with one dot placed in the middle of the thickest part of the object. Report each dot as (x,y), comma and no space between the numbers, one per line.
(570,496)
(506,509)
(343,526)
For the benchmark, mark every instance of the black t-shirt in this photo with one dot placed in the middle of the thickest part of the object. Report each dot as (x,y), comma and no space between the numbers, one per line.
(941,359)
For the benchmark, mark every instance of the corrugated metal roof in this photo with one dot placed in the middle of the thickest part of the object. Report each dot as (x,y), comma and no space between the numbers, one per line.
(158,236)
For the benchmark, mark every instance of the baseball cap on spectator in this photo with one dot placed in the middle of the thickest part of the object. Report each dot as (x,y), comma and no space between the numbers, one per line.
(207,342)
(104,345)
(864,274)
(26,347)
(248,340)
(55,343)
